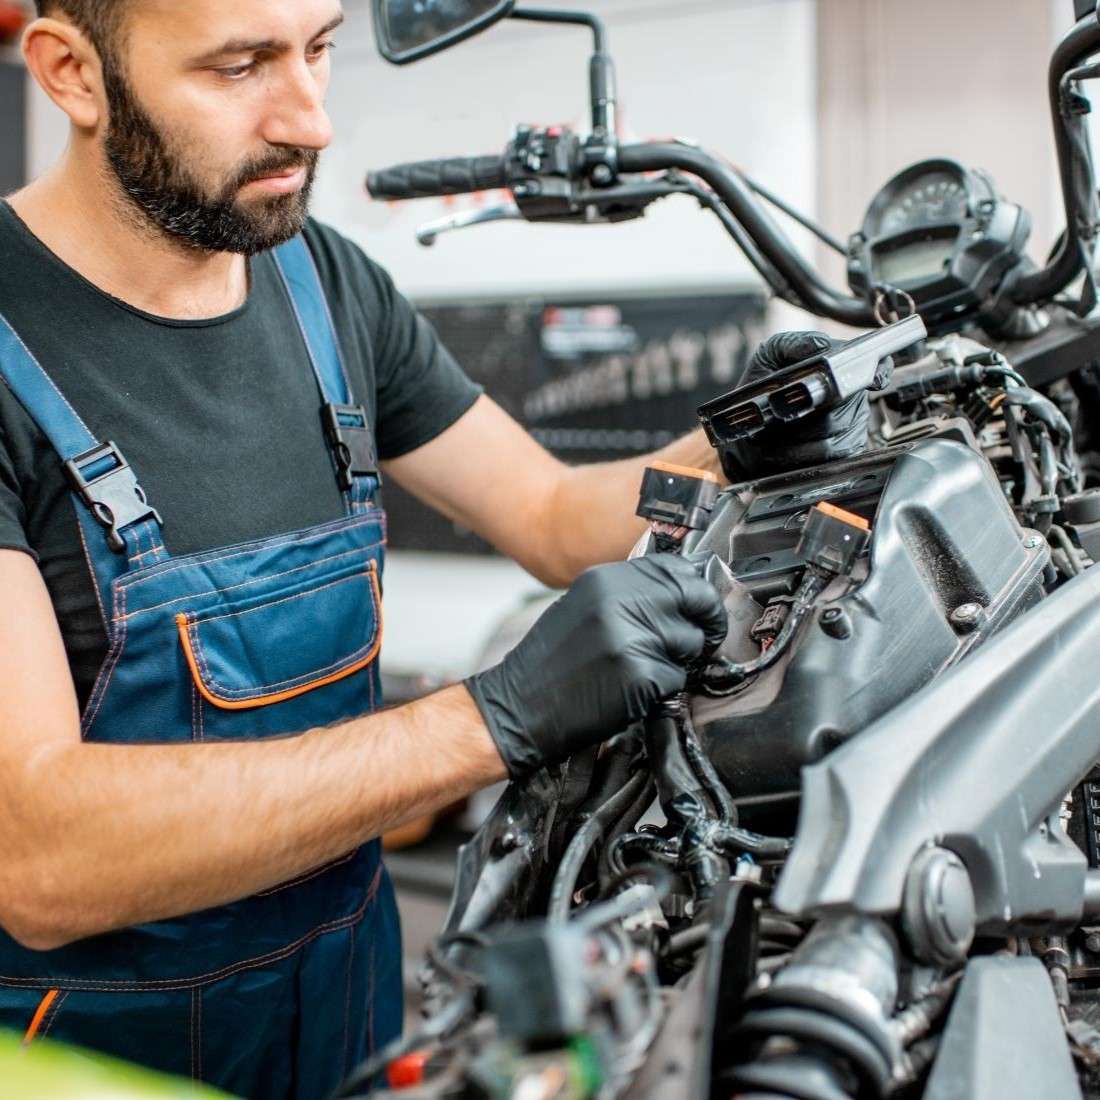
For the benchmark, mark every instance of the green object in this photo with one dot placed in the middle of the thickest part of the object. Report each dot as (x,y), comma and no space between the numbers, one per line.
(45,1070)
(587,1066)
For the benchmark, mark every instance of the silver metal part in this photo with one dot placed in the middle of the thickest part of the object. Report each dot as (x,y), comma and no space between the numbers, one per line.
(505,211)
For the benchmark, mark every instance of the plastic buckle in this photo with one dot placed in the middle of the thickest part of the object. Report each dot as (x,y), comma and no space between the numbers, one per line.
(115,498)
(352,444)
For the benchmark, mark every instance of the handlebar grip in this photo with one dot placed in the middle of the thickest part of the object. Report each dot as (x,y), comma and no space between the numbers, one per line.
(424,179)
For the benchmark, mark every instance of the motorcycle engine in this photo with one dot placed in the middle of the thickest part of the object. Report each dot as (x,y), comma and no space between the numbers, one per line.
(948,565)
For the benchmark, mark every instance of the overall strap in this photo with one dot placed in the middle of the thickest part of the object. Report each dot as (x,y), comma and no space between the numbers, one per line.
(345,424)
(119,526)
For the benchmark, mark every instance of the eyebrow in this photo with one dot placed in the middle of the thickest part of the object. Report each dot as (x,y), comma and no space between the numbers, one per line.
(259,45)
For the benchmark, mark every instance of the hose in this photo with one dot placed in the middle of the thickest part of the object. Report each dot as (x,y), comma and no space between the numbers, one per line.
(1060,536)
(610,865)
(565,881)
(705,770)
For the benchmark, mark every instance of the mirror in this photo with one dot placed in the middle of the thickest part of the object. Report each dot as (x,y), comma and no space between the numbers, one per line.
(407,30)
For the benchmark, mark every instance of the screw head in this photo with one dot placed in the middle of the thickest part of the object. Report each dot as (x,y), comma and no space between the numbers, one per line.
(967,617)
(1033,542)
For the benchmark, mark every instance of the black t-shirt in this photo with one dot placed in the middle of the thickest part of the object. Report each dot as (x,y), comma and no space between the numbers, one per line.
(220,419)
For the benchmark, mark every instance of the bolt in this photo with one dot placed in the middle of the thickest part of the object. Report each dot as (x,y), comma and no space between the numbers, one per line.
(1033,542)
(1092,942)
(601,174)
(836,623)
(508,841)
(967,617)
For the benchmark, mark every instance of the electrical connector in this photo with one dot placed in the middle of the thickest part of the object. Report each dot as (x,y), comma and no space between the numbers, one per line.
(833,539)
(677,495)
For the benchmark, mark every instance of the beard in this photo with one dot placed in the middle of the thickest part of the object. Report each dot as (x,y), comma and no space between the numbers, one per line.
(155,179)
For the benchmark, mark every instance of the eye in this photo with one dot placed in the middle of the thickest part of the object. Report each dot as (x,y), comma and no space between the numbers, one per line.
(318,50)
(237,72)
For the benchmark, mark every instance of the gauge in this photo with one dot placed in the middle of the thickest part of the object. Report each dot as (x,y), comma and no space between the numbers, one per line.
(936,197)
(940,233)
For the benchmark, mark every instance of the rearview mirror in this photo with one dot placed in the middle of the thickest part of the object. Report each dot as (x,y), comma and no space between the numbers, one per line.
(407,30)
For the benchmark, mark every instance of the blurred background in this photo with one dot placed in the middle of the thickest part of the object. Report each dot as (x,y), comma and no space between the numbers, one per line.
(603,340)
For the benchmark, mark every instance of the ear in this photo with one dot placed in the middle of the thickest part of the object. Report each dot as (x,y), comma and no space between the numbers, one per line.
(66,65)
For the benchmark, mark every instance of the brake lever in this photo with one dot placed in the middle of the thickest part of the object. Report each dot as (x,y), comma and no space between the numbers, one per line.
(464,219)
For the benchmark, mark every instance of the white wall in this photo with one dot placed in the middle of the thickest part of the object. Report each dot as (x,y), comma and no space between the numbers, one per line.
(736,75)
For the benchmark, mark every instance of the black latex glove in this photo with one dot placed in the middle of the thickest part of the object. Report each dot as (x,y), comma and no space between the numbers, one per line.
(817,438)
(599,659)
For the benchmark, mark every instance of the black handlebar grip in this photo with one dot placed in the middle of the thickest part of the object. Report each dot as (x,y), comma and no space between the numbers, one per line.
(426,178)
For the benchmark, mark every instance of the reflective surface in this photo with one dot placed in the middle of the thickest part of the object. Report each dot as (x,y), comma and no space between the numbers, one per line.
(419,25)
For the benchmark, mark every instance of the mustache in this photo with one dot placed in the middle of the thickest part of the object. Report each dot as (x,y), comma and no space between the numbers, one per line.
(278,160)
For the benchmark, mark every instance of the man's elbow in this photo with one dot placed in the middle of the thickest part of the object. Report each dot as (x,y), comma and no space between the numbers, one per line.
(33,914)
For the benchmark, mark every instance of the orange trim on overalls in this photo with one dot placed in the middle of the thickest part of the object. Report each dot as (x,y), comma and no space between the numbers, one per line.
(183,626)
(40,1014)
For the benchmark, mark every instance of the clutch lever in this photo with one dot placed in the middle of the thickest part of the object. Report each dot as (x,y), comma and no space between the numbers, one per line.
(464,219)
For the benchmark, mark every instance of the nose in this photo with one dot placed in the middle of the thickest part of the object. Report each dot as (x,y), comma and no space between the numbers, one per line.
(297,116)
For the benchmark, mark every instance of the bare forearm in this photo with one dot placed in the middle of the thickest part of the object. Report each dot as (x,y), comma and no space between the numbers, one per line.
(593,507)
(104,836)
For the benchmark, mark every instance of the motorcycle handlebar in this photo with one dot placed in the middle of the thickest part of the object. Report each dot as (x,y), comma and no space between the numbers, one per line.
(798,279)
(424,179)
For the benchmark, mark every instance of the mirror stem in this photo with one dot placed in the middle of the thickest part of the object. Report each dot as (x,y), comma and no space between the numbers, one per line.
(601,70)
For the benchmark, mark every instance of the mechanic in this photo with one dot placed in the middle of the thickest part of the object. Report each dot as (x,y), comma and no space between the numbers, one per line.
(191,775)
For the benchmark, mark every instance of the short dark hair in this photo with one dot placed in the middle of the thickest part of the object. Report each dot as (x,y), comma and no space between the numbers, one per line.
(100,20)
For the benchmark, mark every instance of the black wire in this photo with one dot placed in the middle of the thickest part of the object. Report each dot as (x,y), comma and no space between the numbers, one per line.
(435,1028)
(821,234)
(1063,540)
(565,880)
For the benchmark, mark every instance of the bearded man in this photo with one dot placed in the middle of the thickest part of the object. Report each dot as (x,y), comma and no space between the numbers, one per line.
(201,389)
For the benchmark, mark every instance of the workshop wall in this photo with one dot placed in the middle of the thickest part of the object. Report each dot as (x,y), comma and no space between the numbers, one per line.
(735,75)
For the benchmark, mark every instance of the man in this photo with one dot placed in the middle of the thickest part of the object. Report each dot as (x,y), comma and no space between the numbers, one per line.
(190,775)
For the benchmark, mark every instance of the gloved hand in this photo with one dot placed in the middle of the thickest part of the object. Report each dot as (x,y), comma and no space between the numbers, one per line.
(817,438)
(598,659)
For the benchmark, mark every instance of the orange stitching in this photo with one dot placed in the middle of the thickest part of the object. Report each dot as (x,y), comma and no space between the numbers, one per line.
(95,579)
(293,538)
(40,1013)
(53,1015)
(256,580)
(198,1045)
(214,975)
(347,999)
(279,697)
(332,863)
(209,677)
(109,665)
(371,568)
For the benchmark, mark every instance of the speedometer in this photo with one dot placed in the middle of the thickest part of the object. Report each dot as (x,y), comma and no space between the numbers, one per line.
(936,197)
(939,233)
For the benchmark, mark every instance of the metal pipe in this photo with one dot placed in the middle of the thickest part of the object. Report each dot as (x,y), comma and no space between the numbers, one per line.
(1082,41)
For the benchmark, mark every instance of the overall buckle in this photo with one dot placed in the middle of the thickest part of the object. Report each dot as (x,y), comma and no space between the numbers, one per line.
(348,433)
(114,496)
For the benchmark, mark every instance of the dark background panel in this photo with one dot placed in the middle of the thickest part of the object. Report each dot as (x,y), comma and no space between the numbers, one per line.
(13,142)
(593,380)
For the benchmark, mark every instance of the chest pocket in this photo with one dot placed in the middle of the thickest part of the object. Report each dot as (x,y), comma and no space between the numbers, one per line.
(258,651)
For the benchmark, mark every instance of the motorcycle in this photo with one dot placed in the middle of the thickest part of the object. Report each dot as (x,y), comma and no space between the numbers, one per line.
(860,855)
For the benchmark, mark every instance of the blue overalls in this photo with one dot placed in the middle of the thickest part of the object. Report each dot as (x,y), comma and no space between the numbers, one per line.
(277,995)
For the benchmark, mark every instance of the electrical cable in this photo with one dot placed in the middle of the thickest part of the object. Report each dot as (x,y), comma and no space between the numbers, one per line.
(1061,536)
(821,234)
(585,839)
